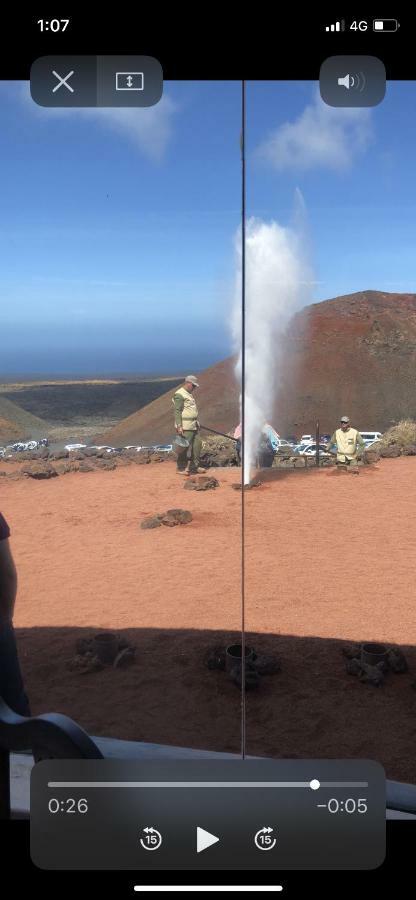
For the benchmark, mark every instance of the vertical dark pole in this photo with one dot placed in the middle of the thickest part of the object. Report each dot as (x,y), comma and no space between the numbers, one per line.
(317,437)
(243,392)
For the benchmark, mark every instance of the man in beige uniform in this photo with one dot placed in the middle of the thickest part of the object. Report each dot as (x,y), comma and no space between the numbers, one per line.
(187,425)
(348,442)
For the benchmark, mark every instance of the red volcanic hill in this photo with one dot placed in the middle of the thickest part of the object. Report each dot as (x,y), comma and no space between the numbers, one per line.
(218,403)
(354,355)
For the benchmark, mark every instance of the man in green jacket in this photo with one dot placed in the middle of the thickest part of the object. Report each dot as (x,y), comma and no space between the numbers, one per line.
(187,426)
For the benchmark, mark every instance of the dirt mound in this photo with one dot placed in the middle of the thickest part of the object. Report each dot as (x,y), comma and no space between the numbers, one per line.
(9,431)
(20,423)
(355,354)
(217,401)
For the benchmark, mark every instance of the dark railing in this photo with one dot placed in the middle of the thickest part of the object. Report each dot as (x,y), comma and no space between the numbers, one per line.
(54,736)
(51,736)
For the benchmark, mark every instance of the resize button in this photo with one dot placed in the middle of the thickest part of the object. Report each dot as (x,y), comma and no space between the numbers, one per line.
(90,81)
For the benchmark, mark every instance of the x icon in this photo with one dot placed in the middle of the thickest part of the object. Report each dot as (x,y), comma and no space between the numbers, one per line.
(62,81)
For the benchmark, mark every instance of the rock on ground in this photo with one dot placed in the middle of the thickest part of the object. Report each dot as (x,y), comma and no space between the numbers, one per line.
(218,452)
(200,483)
(39,470)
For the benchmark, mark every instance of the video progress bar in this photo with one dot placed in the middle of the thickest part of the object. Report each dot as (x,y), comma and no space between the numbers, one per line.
(312,785)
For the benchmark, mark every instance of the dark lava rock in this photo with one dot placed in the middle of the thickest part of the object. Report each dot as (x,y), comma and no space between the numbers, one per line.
(63,468)
(391,452)
(157,457)
(142,457)
(90,451)
(409,451)
(151,522)
(85,664)
(353,666)
(201,483)
(267,665)
(397,661)
(124,658)
(371,456)
(351,651)
(215,659)
(177,517)
(85,467)
(218,451)
(61,454)
(84,645)
(371,674)
(40,470)
(105,464)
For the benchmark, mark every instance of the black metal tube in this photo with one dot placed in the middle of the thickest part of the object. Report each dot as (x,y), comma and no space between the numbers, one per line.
(221,433)
(317,437)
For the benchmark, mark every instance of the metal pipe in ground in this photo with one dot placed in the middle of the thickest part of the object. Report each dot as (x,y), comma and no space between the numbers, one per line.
(221,433)
(317,438)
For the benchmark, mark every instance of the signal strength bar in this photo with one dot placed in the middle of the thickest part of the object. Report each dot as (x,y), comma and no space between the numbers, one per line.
(336,26)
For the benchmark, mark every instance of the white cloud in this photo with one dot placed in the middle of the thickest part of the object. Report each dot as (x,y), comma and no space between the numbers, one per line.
(321,137)
(149,129)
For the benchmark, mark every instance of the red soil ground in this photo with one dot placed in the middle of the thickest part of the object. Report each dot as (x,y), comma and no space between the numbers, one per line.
(330,558)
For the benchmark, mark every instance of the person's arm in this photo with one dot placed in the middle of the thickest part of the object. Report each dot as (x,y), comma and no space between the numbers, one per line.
(360,443)
(8,583)
(332,441)
(179,404)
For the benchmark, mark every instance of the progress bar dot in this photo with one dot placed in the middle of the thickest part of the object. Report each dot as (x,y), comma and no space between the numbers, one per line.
(315,784)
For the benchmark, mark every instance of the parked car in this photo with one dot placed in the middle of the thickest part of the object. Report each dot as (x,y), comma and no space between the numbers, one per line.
(102,447)
(370,437)
(163,448)
(75,446)
(310,450)
(302,445)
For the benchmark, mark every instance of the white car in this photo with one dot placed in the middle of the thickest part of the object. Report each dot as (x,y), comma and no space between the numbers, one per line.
(163,448)
(370,437)
(310,450)
(302,446)
(75,446)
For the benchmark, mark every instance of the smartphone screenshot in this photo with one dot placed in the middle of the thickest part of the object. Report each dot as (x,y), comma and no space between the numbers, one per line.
(207,442)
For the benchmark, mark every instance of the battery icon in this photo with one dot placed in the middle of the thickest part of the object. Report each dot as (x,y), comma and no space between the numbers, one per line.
(385,25)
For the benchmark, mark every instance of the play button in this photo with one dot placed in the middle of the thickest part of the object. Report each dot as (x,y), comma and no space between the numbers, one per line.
(204,839)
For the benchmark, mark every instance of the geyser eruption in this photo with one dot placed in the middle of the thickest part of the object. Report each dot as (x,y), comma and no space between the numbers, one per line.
(278,283)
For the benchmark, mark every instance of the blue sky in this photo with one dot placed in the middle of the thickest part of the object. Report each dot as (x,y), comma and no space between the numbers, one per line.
(355,169)
(117,226)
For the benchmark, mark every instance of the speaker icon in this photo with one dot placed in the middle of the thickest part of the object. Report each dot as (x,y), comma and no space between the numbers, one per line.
(357,81)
